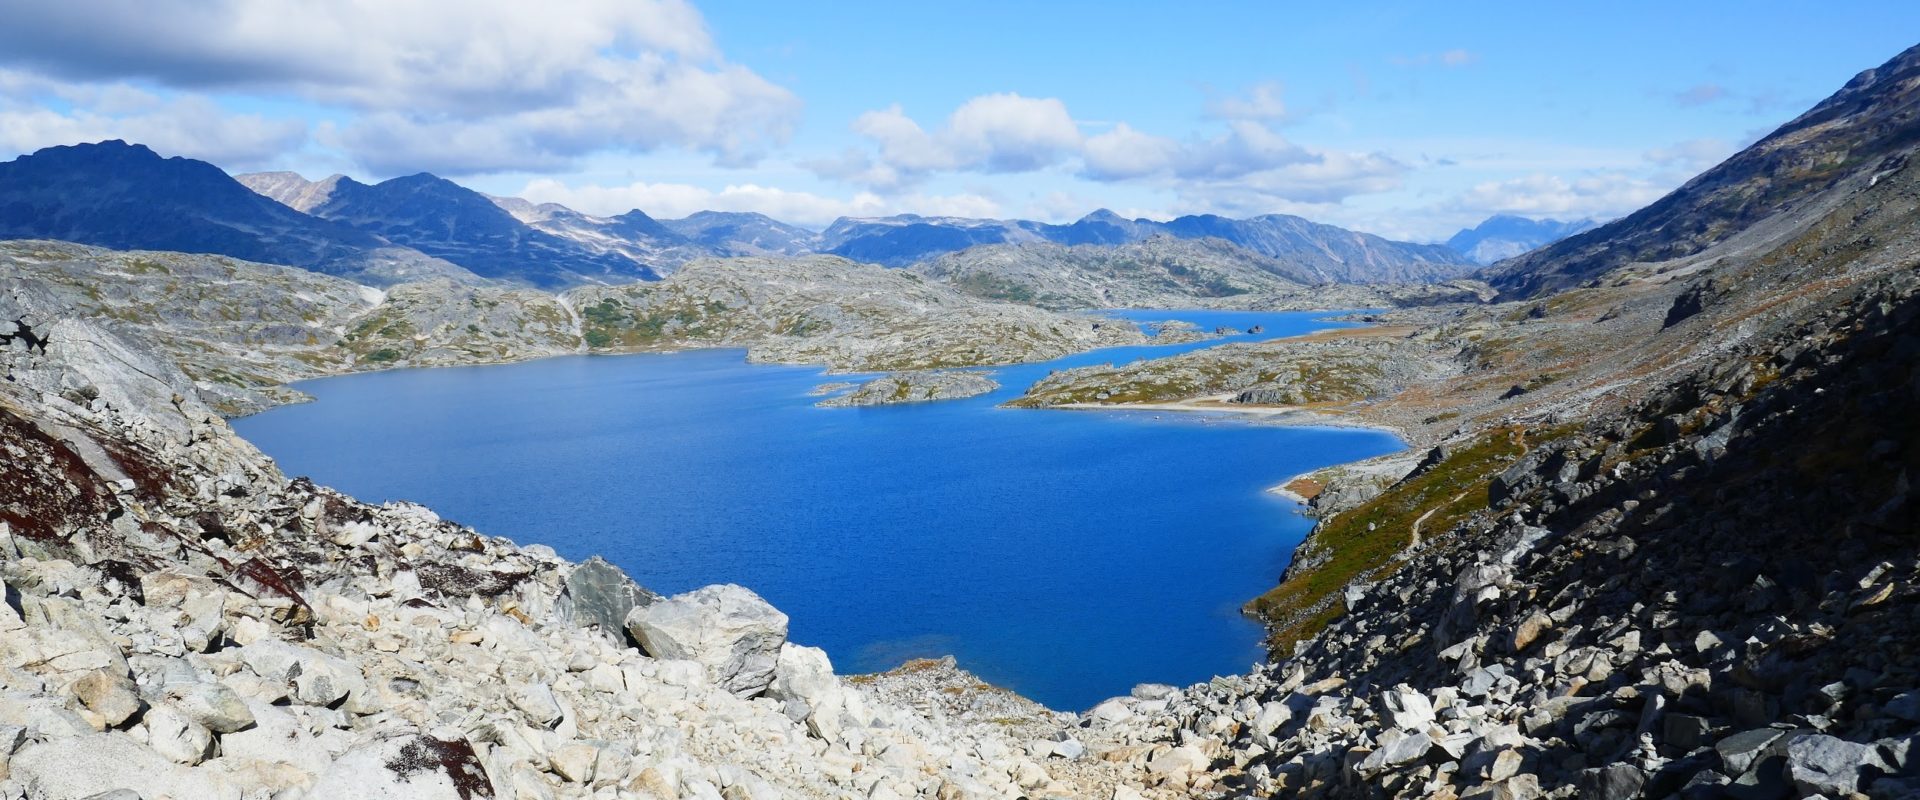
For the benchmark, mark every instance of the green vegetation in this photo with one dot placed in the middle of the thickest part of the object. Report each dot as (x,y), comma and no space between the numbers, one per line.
(147,266)
(384,355)
(606,313)
(1363,541)
(994,287)
(610,323)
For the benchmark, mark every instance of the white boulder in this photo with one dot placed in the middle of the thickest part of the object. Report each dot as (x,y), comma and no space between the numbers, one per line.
(727,629)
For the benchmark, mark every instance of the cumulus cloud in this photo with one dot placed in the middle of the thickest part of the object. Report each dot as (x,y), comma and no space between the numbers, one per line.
(671,200)
(1247,166)
(1246,148)
(1011,133)
(551,81)
(993,133)
(1123,153)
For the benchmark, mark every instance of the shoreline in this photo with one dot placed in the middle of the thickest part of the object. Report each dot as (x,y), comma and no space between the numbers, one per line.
(746,349)
(1294,416)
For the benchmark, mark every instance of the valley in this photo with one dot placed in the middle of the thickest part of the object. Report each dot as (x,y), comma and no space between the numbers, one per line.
(1623,514)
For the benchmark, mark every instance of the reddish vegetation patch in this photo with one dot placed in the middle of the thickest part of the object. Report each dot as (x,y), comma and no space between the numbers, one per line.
(454,580)
(454,758)
(150,479)
(1306,488)
(46,489)
(280,582)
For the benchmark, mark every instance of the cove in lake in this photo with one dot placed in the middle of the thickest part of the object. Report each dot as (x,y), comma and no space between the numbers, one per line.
(1067,555)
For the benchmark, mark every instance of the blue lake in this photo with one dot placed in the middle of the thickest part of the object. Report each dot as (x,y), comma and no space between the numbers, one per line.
(1065,554)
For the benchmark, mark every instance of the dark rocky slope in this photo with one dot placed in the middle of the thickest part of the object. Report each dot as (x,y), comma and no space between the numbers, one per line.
(449,221)
(125,196)
(1716,593)
(1869,126)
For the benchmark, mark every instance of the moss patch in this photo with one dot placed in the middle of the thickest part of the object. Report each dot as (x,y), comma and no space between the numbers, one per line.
(1364,540)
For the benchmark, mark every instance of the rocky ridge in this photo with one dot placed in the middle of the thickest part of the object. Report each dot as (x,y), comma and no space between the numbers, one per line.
(1321,373)
(243,330)
(914,387)
(1867,128)
(823,309)
(1631,608)
(125,196)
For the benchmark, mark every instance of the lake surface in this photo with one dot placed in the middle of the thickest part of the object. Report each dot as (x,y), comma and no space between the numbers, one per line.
(1065,554)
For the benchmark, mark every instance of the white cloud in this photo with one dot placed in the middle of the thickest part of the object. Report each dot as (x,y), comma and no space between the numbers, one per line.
(1124,153)
(904,145)
(1599,196)
(1010,133)
(672,200)
(1262,102)
(36,113)
(1246,148)
(550,81)
(993,133)
(1247,167)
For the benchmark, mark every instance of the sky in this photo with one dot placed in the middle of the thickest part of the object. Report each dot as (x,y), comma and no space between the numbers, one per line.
(1410,120)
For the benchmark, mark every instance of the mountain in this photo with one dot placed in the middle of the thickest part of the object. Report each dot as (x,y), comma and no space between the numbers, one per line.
(1102,227)
(633,235)
(902,239)
(1334,253)
(291,189)
(125,196)
(1161,271)
(1504,236)
(450,221)
(736,233)
(1868,128)
(1324,252)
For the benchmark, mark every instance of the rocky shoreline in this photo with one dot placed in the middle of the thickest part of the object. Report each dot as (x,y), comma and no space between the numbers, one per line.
(913,387)
(184,620)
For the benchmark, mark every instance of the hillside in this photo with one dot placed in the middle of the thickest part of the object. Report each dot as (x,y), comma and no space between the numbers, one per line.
(1653,524)
(1503,236)
(1655,535)
(1160,272)
(743,233)
(125,196)
(1869,127)
(446,220)
(242,331)
(1322,253)
(821,309)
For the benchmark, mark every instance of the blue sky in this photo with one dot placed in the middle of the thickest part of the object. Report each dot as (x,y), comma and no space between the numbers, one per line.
(1405,119)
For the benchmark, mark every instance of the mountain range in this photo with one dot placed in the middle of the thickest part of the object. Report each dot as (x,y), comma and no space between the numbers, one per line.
(122,195)
(1653,535)
(125,196)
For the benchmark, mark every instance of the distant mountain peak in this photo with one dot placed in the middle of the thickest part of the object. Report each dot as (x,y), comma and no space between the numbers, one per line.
(126,196)
(1503,236)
